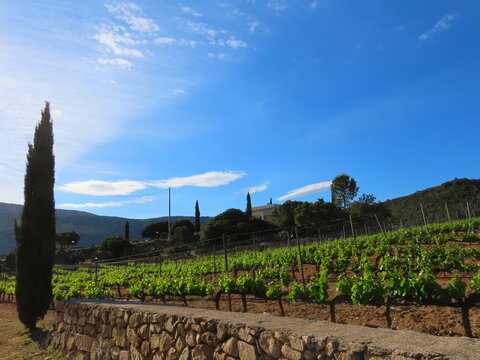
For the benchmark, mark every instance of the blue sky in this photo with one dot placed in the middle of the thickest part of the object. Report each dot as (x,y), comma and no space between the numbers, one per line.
(216,98)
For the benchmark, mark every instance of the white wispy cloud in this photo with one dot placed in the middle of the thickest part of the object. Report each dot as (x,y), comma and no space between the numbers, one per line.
(306,190)
(314,4)
(164,41)
(252,26)
(132,14)
(122,63)
(254,189)
(208,179)
(117,41)
(127,187)
(202,29)
(190,43)
(141,200)
(103,188)
(125,33)
(442,24)
(236,44)
(220,56)
(277,5)
(179,92)
(190,11)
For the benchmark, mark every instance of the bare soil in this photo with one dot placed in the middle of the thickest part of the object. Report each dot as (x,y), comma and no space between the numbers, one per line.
(16,343)
(434,320)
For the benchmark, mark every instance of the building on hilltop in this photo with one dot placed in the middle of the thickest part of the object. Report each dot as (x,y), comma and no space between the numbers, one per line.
(264,212)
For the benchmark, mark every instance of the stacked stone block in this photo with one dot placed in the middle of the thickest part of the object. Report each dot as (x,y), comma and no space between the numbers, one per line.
(93,332)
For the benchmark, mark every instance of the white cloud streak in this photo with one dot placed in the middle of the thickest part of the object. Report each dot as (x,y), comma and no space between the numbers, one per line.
(121,63)
(202,29)
(103,188)
(127,187)
(306,190)
(132,15)
(441,25)
(255,189)
(117,41)
(190,11)
(236,44)
(220,56)
(208,179)
(164,41)
(252,26)
(141,200)
(277,5)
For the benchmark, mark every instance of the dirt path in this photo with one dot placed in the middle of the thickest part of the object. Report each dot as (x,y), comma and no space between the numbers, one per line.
(16,343)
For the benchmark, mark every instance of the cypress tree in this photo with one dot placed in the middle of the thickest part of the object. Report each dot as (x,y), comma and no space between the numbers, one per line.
(36,238)
(197,218)
(127,230)
(248,211)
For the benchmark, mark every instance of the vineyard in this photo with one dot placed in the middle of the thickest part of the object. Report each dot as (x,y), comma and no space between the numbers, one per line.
(391,275)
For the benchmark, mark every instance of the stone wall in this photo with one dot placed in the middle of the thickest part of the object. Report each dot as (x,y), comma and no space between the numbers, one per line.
(125,331)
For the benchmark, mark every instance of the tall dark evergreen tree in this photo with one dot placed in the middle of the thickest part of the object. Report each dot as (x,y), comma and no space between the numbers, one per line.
(197,218)
(248,211)
(36,238)
(127,230)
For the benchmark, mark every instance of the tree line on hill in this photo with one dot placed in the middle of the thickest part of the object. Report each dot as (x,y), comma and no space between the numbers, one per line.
(240,225)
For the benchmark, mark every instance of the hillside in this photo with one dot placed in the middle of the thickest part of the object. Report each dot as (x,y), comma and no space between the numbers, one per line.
(455,193)
(94,228)
(91,228)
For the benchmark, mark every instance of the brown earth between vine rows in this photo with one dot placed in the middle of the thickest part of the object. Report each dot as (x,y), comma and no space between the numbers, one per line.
(430,319)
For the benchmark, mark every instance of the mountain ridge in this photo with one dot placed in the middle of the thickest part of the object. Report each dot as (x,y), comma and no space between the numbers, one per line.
(92,228)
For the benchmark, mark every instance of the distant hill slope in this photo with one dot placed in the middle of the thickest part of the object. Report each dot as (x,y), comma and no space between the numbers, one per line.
(94,228)
(91,228)
(455,194)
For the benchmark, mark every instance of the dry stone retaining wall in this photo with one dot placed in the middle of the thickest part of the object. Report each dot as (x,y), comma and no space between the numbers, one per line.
(125,331)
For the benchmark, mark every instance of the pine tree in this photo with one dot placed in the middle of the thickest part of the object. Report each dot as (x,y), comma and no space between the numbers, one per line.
(36,239)
(344,189)
(127,230)
(197,218)
(248,211)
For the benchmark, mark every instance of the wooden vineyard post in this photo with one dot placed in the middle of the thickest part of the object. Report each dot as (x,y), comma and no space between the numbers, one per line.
(424,218)
(159,262)
(214,261)
(366,230)
(225,253)
(300,259)
(380,226)
(448,213)
(468,211)
(353,231)
(226,270)
(96,272)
